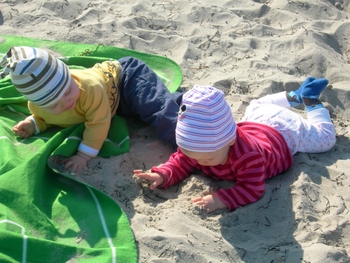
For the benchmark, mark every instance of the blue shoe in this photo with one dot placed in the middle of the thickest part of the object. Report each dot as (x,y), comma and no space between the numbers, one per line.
(313,89)
(296,94)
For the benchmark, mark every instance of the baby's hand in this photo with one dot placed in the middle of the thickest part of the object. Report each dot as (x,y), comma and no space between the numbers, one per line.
(154,178)
(24,129)
(209,202)
(76,162)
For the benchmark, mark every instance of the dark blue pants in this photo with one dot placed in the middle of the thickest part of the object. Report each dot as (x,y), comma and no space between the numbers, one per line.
(144,95)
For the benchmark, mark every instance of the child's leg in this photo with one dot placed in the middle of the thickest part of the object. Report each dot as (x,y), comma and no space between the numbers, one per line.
(311,85)
(286,100)
(279,99)
(143,94)
(317,133)
(314,135)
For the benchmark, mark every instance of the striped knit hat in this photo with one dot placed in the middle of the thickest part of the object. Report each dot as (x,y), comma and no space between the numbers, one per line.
(205,122)
(37,75)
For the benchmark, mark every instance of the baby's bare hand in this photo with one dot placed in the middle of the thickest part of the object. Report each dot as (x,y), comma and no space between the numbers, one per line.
(75,163)
(209,202)
(155,179)
(24,129)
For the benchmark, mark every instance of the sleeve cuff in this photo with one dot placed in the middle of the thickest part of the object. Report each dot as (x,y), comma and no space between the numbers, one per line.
(88,150)
(31,118)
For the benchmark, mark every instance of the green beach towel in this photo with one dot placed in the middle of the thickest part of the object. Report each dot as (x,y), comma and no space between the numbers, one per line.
(44,215)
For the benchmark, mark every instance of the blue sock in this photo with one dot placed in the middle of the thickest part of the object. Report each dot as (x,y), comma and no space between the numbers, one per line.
(297,93)
(313,89)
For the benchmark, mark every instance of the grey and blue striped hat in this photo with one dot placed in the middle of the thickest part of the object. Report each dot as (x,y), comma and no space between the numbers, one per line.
(37,75)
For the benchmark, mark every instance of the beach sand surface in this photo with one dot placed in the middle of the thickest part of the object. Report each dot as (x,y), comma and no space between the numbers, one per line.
(247,49)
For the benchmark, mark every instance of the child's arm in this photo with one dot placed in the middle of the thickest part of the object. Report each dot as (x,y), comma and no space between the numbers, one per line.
(37,118)
(209,202)
(250,174)
(176,169)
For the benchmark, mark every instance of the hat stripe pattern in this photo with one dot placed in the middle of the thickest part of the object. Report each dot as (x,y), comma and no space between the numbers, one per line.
(206,123)
(40,77)
(32,79)
(57,89)
(24,56)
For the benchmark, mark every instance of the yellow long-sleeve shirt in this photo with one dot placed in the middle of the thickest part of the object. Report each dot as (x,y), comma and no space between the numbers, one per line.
(98,102)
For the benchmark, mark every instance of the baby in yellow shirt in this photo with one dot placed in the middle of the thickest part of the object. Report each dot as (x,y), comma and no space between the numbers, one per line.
(58,96)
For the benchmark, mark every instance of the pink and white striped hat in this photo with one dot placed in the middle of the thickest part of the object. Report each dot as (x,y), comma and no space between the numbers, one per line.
(205,121)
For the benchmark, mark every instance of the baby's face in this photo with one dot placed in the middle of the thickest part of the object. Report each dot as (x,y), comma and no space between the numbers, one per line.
(67,101)
(210,158)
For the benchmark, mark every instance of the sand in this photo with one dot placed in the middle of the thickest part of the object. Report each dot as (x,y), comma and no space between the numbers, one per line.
(247,49)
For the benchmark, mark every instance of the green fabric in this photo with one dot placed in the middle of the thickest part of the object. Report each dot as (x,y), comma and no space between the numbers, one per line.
(168,70)
(47,217)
